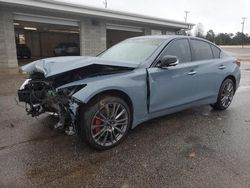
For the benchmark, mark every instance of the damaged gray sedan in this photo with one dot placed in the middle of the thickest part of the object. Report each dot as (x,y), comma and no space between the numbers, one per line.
(101,98)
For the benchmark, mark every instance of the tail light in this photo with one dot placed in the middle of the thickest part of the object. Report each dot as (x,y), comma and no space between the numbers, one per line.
(237,62)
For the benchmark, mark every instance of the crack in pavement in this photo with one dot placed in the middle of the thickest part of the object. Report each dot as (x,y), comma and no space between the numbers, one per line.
(31,140)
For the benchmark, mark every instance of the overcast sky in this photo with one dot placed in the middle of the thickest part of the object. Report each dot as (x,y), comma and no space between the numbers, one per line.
(219,15)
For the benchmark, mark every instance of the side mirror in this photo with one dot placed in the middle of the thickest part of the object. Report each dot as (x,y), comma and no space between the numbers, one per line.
(167,61)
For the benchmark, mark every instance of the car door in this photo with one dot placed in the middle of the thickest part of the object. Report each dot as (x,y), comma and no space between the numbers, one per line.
(209,69)
(173,86)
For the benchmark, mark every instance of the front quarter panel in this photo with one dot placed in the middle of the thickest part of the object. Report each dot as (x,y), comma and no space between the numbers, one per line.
(131,83)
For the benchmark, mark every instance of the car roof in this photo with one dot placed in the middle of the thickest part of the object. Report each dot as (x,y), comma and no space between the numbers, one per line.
(167,37)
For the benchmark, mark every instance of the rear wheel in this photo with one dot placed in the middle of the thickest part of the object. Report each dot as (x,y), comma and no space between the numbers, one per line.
(225,95)
(105,122)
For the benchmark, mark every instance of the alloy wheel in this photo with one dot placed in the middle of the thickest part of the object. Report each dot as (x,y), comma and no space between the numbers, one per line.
(227,94)
(109,124)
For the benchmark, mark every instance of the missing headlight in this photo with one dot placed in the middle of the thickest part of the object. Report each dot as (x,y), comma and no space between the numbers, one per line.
(69,91)
(26,82)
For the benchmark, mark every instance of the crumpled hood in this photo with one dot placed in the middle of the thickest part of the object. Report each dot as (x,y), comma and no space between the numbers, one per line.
(57,65)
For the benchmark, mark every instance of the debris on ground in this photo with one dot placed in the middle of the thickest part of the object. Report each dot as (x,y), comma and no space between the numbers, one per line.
(125,185)
(192,155)
(205,114)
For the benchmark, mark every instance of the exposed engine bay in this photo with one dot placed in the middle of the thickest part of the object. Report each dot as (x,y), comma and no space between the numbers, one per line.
(43,94)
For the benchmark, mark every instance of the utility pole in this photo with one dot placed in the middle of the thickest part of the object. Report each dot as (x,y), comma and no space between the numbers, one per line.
(186,15)
(243,24)
(105,2)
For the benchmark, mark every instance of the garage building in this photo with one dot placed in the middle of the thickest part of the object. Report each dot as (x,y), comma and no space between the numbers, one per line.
(44,25)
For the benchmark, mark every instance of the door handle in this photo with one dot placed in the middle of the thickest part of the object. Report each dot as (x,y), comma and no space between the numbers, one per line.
(222,67)
(192,72)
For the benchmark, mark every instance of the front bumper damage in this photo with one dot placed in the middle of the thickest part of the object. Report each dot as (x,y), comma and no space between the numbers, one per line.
(54,81)
(39,97)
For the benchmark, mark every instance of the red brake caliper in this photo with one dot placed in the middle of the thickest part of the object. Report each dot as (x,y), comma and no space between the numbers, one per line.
(97,122)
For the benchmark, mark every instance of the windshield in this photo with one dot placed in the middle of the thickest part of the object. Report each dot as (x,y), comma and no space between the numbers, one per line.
(134,50)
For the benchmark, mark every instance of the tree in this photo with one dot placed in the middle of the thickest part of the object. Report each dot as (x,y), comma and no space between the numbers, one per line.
(210,35)
(223,39)
(239,36)
(199,30)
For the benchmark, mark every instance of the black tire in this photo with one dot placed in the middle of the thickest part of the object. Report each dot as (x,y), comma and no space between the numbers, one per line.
(88,115)
(225,95)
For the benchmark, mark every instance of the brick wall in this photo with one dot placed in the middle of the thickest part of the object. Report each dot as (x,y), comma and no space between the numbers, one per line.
(92,37)
(7,41)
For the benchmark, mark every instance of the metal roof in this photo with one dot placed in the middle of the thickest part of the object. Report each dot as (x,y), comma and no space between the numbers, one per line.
(97,12)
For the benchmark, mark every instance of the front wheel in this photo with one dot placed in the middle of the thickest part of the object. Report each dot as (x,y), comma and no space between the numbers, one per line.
(105,122)
(225,95)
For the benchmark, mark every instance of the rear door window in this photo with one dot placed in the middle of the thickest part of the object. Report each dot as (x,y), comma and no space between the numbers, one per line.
(216,51)
(201,50)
